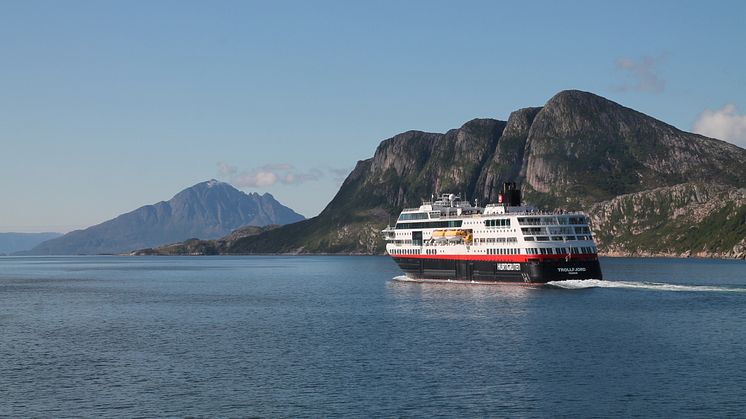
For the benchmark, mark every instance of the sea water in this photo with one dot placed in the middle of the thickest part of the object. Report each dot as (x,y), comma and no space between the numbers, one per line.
(340,336)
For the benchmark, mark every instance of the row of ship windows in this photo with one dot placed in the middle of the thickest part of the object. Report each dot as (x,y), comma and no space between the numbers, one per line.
(499,222)
(405,252)
(556,238)
(543,221)
(414,216)
(560,250)
(504,251)
(429,224)
(533,231)
(497,240)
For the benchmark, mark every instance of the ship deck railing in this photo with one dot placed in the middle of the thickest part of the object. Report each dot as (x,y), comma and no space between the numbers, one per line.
(521,213)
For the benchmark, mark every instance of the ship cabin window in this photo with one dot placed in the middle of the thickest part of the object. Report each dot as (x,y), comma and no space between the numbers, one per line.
(575,251)
(413,216)
(545,251)
(542,238)
(561,230)
(568,238)
(500,222)
(528,239)
(533,230)
(576,220)
(539,221)
(531,221)
(558,238)
(582,230)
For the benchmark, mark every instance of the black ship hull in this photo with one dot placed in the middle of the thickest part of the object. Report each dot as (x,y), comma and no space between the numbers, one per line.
(531,271)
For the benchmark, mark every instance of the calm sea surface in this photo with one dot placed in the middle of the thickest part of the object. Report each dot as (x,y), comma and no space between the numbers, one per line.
(337,336)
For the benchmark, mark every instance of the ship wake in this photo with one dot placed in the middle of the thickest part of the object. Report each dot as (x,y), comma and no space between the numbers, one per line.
(635,285)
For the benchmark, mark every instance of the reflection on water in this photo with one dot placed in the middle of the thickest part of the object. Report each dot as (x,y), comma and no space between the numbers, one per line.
(472,291)
(458,300)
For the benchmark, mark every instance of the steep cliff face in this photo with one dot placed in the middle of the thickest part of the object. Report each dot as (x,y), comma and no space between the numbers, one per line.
(507,161)
(690,219)
(577,150)
(413,165)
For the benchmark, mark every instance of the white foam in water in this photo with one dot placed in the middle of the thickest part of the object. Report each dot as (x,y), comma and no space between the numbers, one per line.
(403,278)
(576,284)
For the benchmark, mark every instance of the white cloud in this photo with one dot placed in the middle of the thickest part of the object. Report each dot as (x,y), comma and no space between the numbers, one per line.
(268,175)
(641,74)
(724,124)
(254,179)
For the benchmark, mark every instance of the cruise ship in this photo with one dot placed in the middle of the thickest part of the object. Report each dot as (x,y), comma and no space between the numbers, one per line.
(449,239)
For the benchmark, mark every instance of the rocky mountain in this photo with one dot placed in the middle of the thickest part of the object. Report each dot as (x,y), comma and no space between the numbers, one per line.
(15,242)
(689,219)
(649,187)
(206,210)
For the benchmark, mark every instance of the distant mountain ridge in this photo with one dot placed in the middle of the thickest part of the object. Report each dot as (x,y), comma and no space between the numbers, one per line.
(200,247)
(578,151)
(206,210)
(16,242)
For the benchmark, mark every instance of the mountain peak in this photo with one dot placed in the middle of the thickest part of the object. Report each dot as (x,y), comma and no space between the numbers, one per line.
(577,96)
(213,182)
(206,210)
(209,184)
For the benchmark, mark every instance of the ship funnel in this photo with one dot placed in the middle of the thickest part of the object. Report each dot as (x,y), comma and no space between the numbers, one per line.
(511,195)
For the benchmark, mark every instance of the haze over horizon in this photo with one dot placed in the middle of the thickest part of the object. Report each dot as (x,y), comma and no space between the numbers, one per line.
(107,107)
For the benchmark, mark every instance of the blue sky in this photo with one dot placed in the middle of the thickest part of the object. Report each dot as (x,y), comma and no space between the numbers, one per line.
(108,106)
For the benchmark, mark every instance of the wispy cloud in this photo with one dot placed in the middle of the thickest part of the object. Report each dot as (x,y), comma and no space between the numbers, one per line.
(724,124)
(270,175)
(641,75)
